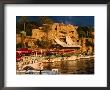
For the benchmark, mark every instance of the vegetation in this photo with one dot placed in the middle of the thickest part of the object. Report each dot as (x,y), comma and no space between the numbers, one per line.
(28,28)
(19,45)
(43,43)
(25,25)
(46,20)
(88,43)
(47,23)
(85,32)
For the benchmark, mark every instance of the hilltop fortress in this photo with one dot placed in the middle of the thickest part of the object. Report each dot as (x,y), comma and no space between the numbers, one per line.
(65,35)
(58,30)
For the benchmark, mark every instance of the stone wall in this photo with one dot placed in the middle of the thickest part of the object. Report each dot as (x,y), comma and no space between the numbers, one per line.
(38,33)
(18,38)
(58,30)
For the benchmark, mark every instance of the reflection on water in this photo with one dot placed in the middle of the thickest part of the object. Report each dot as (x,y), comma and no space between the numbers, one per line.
(71,66)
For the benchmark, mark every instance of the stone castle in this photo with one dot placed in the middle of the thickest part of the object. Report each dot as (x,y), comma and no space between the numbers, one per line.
(58,30)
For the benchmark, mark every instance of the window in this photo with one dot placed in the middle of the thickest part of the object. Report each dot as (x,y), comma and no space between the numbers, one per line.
(56,28)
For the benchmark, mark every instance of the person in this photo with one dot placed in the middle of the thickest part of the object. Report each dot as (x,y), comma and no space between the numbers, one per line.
(40,72)
(41,67)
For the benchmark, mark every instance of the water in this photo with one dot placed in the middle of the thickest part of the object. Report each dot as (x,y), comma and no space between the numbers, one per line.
(78,66)
(71,66)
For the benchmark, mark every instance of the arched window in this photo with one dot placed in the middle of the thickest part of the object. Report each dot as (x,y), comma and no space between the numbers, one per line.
(56,28)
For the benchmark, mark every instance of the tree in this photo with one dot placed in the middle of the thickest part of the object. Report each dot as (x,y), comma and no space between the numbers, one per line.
(19,45)
(90,30)
(46,20)
(23,36)
(43,43)
(19,27)
(85,31)
(23,20)
(47,24)
(81,32)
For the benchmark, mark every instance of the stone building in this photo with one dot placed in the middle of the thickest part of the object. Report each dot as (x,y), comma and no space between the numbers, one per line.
(18,38)
(28,41)
(38,33)
(58,30)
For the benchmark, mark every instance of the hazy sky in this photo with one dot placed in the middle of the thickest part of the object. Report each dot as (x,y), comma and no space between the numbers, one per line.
(76,20)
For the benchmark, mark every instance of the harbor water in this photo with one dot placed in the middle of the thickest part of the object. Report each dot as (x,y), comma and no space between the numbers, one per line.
(81,66)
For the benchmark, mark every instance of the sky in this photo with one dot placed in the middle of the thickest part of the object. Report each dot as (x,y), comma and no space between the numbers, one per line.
(75,20)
